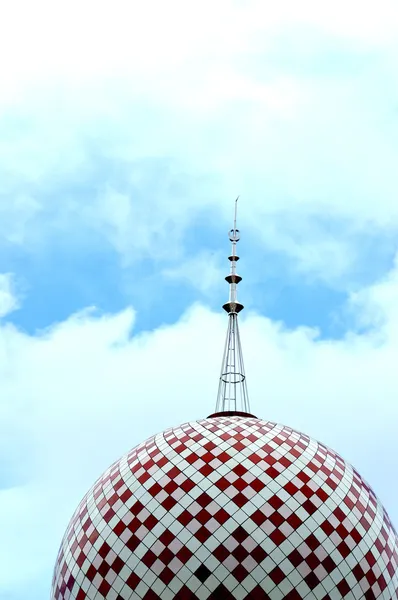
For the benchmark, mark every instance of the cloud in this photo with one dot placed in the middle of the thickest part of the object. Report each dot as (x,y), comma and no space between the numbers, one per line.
(8,299)
(141,122)
(195,83)
(82,392)
(377,306)
(203,272)
(131,38)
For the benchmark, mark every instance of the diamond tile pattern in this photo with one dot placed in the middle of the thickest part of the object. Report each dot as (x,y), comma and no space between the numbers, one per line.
(229,508)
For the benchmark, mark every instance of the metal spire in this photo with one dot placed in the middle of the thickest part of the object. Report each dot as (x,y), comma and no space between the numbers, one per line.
(232,390)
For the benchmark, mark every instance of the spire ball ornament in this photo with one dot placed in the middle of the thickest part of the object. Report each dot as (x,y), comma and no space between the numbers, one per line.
(234,235)
(230,507)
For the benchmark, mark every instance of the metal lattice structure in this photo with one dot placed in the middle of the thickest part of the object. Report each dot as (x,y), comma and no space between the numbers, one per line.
(232,390)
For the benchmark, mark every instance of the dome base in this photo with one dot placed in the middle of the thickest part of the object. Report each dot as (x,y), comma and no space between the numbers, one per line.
(232,413)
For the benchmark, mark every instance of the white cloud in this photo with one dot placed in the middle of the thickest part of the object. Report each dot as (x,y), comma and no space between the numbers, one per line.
(204,271)
(77,39)
(377,306)
(287,103)
(8,299)
(83,392)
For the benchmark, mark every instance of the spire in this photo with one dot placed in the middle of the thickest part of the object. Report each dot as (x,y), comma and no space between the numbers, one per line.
(232,390)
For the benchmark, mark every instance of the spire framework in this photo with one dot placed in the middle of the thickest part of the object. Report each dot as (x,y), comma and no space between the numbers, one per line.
(232,390)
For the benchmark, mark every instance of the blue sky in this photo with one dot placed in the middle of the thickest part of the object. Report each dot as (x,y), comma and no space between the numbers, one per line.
(66,277)
(126,132)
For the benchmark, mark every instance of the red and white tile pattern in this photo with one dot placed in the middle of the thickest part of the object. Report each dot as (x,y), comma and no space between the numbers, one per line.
(229,508)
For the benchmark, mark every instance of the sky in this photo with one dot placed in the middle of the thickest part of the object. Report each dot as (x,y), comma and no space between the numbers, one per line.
(127,129)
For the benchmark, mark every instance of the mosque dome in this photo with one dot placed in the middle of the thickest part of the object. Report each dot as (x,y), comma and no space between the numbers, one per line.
(230,507)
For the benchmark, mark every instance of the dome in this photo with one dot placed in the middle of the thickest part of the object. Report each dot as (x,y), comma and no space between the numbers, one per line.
(230,507)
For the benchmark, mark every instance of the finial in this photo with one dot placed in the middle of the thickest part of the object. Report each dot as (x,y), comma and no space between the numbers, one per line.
(233,279)
(232,396)
(236,211)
